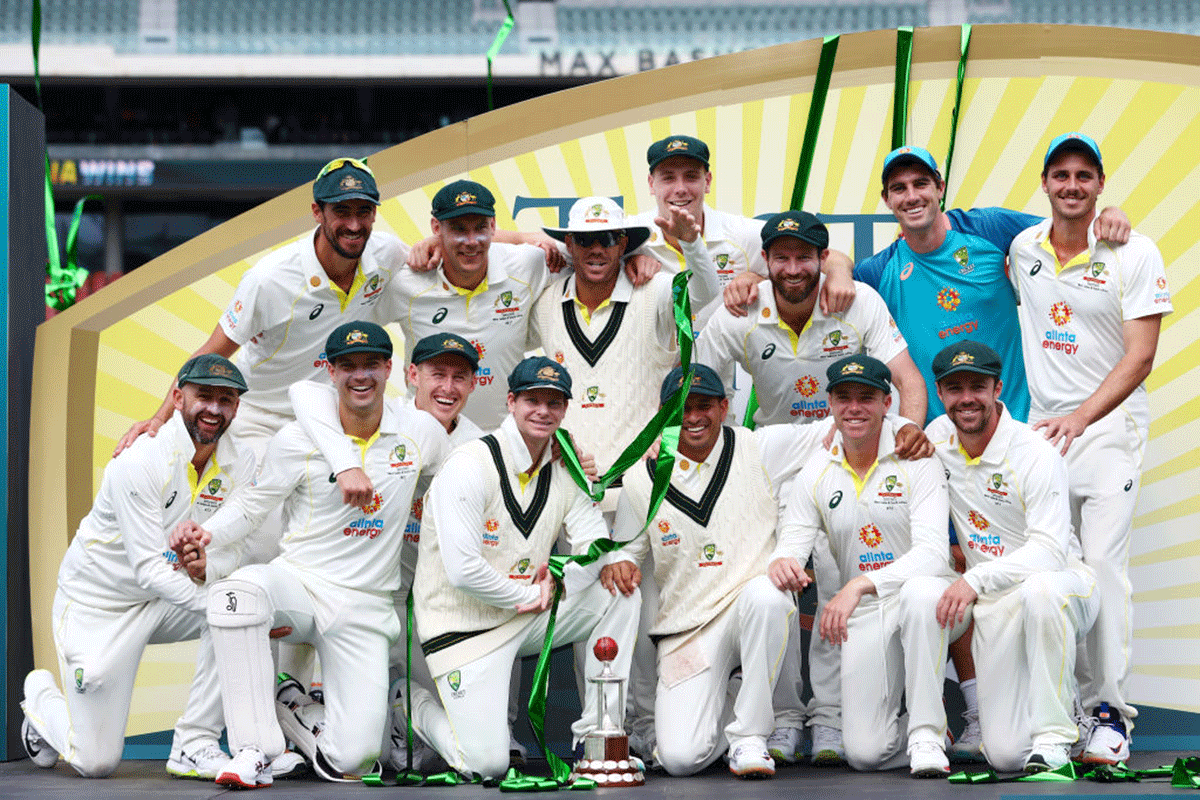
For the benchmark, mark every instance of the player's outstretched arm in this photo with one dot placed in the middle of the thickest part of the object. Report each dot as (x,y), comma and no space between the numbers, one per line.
(218,343)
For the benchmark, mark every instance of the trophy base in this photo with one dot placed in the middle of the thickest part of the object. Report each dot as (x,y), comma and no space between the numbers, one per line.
(606,760)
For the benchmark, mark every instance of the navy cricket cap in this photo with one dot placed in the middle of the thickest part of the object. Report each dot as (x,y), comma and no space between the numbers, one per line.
(357,337)
(859,368)
(705,381)
(688,146)
(966,356)
(345,179)
(439,344)
(539,372)
(459,198)
(211,369)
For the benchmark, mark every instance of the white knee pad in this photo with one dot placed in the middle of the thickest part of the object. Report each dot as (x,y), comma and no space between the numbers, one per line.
(238,603)
(239,617)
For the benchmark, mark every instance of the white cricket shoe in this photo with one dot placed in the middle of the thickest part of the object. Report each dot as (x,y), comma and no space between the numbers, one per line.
(1109,743)
(827,750)
(749,759)
(969,745)
(928,760)
(1046,757)
(249,769)
(203,764)
(38,749)
(785,745)
(288,764)
(422,754)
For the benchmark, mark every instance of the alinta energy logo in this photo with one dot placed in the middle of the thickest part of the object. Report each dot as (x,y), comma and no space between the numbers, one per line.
(375,504)
(948,298)
(807,386)
(1061,313)
(870,535)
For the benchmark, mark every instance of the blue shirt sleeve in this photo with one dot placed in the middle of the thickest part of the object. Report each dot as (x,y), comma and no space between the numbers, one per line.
(870,269)
(997,225)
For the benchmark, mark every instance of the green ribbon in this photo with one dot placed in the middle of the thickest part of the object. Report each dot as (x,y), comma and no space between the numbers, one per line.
(812,127)
(664,426)
(904,37)
(964,45)
(497,43)
(1183,774)
(65,282)
(816,109)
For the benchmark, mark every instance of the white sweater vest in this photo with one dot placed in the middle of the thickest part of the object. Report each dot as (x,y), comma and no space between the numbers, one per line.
(616,369)
(706,549)
(512,539)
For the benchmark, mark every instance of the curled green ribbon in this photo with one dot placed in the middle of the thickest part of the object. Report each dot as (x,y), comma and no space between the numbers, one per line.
(65,281)
(494,50)
(904,37)
(1183,774)
(964,46)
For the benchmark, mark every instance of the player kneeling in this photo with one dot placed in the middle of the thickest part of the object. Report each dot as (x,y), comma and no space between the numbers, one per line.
(482,588)
(1032,597)
(885,520)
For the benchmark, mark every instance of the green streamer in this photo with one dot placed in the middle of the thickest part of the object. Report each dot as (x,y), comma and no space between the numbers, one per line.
(904,37)
(1183,774)
(65,282)
(964,46)
(816,108)
(497,43)
(664,426)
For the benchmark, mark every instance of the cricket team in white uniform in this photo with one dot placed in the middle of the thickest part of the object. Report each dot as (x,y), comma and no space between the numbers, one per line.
(169,553)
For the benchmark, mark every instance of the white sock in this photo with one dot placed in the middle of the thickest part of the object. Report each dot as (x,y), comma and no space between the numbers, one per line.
(969,696)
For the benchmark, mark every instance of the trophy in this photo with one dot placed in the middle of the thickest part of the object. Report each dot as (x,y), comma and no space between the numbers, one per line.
(606,758)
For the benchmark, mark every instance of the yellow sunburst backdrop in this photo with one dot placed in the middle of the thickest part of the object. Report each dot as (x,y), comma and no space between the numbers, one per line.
(1144,113)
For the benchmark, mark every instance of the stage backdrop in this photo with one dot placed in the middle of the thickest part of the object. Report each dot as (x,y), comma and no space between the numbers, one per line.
(107,362)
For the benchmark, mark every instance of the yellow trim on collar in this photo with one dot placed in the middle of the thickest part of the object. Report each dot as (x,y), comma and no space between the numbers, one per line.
(355,285)
(365,444)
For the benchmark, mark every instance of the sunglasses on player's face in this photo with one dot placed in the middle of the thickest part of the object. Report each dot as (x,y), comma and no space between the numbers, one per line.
(603,238)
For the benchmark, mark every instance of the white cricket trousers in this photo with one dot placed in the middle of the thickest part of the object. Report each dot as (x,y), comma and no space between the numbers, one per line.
(98,655)
(1104,467)
(469,727)
(1024,648)
(693,721)
(351,632)
(895,647)
(824,660)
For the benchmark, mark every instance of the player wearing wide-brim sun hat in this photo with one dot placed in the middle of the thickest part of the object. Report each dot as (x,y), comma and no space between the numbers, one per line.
(593,215)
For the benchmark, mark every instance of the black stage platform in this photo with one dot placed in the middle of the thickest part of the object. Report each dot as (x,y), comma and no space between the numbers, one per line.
(21,780)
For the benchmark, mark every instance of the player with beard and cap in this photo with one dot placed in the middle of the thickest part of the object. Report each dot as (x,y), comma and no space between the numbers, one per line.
(482,588)
(119,587)
(885,522)
(1032,597)
(685,231)
(331,585)
(785,342)
(1090,316)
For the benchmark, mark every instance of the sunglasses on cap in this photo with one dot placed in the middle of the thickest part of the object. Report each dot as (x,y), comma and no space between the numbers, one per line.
(603,238)
(338,163)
